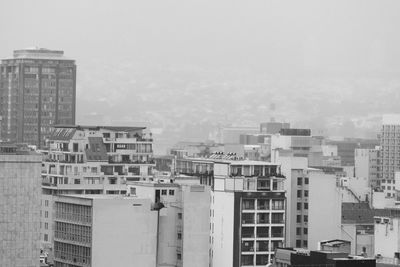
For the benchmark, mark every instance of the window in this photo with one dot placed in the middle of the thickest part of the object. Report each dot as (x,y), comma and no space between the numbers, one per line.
(298,206)
(306,206)
(46,203)
(248,204)
(305,193)
(299,181)
(305,218)
(46,237)
(46,214)
(306,180)
(164,192)
(305,243)
(305,231)
(298,218)
(171,192)
(298,193)
(298,243)
(179,256)
(179,236)
(133,191)
(298,231)
(180,216)
(46,226)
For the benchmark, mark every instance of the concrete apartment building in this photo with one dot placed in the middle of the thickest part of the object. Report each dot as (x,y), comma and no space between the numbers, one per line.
(247,212)
(366,164)
(184,220)
(295,169)
(92,160)
(103,231)
(19,207)
(37,90)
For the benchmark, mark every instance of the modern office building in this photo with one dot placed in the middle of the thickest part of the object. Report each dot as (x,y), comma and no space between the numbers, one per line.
(19,207)
(103,231)
(92,160)
(390,151)
(37,90)
(247,212)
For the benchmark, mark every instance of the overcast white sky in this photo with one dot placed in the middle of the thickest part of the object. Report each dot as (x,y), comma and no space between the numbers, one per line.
(271,34)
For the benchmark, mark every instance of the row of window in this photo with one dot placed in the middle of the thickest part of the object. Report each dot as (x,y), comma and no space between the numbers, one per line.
(299,205)
(300,180)
(300,193)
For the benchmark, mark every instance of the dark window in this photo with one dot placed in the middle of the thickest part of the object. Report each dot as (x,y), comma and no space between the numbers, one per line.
(306,193)
(179,236)
(180,216)
(171,192)
(305,218)
(298,218)
(305,231)
(298,243)
(164,192)
(298,231)
(298,206)
(306,180)
(298,193)
(299,181)
(305,243)
(306,206)
(179,256)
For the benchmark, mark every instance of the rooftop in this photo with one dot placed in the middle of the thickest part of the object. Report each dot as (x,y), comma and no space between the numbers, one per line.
(98,127)
(39,53)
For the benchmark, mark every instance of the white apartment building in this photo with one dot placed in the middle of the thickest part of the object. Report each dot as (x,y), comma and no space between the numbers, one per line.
(91,160)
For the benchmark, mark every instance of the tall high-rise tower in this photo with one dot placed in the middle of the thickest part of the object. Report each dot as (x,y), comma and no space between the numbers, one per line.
(37,90)
(390,152)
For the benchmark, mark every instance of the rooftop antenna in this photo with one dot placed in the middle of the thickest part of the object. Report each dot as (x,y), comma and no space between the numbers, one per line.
(272,108)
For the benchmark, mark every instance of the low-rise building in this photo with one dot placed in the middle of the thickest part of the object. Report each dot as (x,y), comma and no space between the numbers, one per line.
(104,230)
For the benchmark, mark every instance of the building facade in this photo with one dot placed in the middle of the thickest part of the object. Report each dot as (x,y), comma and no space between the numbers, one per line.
(37,90)
(19,207)
(247,212)
(390,152)
(366,164)
(104,230)
(92,160)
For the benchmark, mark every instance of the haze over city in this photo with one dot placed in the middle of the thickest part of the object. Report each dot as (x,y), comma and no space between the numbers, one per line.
(185,67)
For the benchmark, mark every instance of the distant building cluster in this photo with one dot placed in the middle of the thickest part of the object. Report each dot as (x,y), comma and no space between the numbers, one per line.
(96,195)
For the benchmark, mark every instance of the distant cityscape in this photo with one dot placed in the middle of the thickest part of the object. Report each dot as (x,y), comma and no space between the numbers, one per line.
(271,194)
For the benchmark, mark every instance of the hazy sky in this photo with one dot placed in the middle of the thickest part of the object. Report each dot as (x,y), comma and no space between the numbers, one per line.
(271,34)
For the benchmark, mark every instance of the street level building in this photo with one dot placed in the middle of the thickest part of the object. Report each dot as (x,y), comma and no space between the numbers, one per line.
(37,90)
(19,207)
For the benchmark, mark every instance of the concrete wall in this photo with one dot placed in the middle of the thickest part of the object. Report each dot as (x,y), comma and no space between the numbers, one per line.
(324,209)
(20,190)
(196,225)
(124,233)
(222,229)
(387,238)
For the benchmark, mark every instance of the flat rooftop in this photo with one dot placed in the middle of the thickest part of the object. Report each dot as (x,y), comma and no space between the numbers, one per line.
(98,127)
